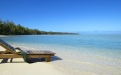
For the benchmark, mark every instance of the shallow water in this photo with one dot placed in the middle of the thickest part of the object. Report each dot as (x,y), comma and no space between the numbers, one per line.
(87,54)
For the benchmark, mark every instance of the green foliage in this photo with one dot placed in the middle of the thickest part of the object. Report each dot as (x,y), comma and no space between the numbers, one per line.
(9,28)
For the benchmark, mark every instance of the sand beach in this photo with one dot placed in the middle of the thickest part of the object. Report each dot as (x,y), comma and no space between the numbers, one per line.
(19,67)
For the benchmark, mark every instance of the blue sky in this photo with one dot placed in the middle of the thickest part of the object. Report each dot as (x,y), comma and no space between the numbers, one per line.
(64,15)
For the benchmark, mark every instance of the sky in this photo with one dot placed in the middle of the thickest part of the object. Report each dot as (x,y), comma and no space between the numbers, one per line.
(63,15)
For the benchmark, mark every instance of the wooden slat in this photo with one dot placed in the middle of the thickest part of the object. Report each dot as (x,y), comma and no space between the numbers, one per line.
(10,56)
(39,52)
(35,52)
(31,52)
(20,56)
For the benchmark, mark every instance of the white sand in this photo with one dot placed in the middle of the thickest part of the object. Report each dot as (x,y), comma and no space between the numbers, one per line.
(19,67)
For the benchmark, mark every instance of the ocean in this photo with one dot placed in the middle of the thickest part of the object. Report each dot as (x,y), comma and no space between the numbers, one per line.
(85,54)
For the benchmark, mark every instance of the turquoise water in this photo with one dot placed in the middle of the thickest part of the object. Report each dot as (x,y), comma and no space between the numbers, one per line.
(86,54)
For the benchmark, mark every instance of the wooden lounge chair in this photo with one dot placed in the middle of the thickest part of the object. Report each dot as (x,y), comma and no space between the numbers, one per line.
(10,52)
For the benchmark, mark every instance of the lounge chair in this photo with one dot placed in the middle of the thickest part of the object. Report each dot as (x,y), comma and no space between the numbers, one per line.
(11,53)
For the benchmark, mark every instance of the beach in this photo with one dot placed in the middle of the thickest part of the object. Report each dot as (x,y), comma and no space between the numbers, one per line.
(19,67)
(60,37)
(75,55)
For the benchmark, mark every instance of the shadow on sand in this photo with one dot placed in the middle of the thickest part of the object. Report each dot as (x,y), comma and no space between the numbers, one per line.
(32,60)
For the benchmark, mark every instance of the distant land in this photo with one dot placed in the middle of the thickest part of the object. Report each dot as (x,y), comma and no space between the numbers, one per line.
(9,28)
(100,32)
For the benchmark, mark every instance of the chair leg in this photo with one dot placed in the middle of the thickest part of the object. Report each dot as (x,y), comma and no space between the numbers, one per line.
(47,59)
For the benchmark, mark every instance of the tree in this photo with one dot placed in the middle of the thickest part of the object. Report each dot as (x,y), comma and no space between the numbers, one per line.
(9,28)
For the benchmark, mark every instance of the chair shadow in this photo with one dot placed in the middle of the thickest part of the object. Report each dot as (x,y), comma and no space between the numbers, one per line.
(4,60)
(35,60)
(32,60)
(55,58)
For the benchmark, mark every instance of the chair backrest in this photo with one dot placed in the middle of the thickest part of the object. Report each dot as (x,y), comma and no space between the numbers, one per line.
(7,45)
